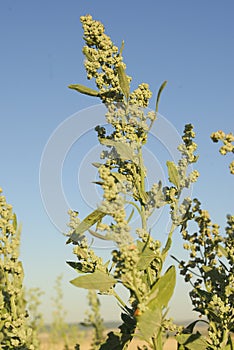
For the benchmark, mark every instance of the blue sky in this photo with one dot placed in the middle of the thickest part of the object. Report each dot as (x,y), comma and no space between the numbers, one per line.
(188,43)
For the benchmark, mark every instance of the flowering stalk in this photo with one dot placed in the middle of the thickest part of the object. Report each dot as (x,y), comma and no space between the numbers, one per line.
(137,262)
(209,270)
(15,332)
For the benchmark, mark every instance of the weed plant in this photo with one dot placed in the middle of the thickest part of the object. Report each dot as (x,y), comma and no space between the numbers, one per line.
(15,330)
(137,262)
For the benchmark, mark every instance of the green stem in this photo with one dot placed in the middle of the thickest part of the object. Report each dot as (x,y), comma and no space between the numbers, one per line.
(135,205)
(119,299)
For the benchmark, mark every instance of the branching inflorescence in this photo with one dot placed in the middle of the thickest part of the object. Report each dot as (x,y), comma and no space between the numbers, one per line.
(15,331)
(136,263)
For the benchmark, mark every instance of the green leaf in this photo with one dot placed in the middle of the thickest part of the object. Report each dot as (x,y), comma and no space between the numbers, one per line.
(87,54)
(96,165)
(192,341)
(14,221)
(146,256)
(222,250)
(163,289)
(84,90)
(123,149)
(89,221)
(99,235)
(173,173)
(159,94)
(189,329)
(230,344)
(149,323)
(119,177)
(213,273)
(121,49)
(97,280)
(166,248)
(130,216)
(78,266)
(116,341)
(123,80)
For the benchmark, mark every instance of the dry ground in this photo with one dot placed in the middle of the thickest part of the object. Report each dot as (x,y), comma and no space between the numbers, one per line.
(85,342)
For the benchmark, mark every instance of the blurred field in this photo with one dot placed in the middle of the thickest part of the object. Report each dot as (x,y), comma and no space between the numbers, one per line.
(85,341)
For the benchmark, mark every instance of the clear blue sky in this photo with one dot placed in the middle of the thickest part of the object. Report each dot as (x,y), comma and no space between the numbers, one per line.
(188,43)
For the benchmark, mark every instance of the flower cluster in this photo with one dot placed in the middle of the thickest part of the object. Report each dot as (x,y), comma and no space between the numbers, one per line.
(159,196)
(15,332)
(138,265)
(228,147)
(211,278)
(102,59)
(141,96)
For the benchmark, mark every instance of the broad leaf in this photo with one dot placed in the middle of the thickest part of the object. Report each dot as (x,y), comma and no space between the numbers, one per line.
(123,80)
(116,341)
(123,149)
(89,221)
(192,341)
(84,90)
(149,323)
(173,173)
(146,256)
(230,344)
(163,289)
(97,280)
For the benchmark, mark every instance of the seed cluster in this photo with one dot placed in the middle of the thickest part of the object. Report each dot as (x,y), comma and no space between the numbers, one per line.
(102,59)
(15,332)
(228,147)
(210,271)
(137,260)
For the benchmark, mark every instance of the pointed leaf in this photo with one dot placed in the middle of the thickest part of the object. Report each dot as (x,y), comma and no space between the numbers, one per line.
(100,236)
(14,221)
(130,216)
(97,280)
(121,49)
(222,250)
(84,90)
(173,173)
(159,94)
(79,267)
(163,289)
(89,221)
(123,80)
(167,247)
(87,54)
(97,165)
(189,329)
